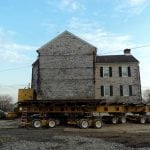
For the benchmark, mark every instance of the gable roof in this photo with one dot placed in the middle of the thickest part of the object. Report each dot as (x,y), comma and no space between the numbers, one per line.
(116,59)
(63,34)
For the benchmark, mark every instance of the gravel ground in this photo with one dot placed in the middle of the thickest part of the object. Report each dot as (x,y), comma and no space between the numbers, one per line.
(63,143)
(110,137)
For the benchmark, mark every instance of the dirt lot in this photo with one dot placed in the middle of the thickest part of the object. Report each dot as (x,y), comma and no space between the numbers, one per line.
(110,137)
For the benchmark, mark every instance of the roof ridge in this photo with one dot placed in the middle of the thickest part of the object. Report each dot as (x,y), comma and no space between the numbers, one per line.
(111,55)
(68,32)
(115,58)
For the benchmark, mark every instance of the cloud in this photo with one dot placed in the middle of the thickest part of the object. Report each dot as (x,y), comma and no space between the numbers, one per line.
(145,71)
(72,5)
(105,41)
(109,43)
(142,54)
(11,51)
(131,7)
(68,5)
(136,2)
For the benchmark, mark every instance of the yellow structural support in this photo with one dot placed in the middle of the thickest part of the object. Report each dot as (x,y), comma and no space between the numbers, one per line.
(111,108)
(136,108)
(123,108)
(25,94)
(10,115)
(147,108)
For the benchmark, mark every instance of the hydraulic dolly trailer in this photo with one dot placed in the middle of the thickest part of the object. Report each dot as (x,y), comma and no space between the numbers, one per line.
(83,113)
(139,113)
(50,113)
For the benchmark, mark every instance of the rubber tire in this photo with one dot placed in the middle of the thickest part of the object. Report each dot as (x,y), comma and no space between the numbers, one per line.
(53,123)
(36,123)
(123,120)
(142,120)
(84,124)
(114,120)
(98,123)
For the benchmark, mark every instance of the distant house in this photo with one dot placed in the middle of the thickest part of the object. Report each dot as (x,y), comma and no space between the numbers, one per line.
(68,68)
(118,78)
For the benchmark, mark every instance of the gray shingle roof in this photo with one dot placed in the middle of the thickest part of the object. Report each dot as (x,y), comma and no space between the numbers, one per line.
(116,59)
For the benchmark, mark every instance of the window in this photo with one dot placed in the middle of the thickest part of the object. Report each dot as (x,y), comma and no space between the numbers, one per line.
(106,71)
(107,90)
(125,90)
(124,71)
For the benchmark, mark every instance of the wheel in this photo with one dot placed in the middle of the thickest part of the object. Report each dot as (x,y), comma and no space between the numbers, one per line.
(84,124)
(51,123)
(123,119)
(36,123)
(142,120)
(98,123)
(114,120)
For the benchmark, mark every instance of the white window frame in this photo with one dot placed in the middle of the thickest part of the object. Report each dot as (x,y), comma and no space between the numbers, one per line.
(125,90)
(106,71)
(124,71)
(106,90)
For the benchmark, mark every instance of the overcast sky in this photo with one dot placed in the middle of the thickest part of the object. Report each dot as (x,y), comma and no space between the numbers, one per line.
(110,25)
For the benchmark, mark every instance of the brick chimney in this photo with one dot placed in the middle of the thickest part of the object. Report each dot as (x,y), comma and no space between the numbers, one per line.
(127,52)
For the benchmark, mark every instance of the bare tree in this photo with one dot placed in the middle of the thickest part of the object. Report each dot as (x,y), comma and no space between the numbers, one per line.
(6,103)
(146,96)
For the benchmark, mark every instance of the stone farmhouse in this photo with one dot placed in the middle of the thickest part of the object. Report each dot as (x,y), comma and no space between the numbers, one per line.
(118,78)
(69,68)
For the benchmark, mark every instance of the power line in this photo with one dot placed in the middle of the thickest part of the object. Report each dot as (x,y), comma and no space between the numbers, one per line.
(12,85)
(140,46)
(129,48)
(17,68)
